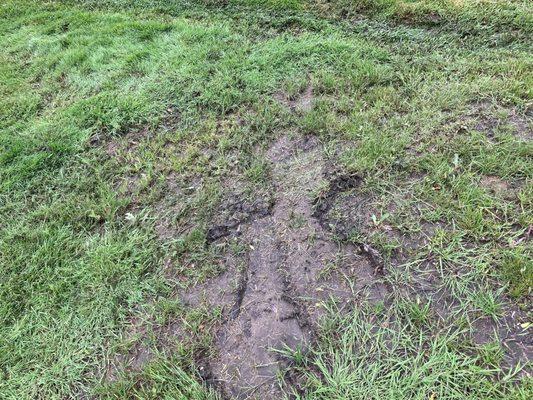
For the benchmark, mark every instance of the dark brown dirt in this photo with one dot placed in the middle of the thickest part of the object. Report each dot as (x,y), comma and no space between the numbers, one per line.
(269,295)
(297,257)
(511,332)
(500,187)
(356,215)
(145,335)
(347,210)
(487,118)
(236,210)
(133,358)
(293,265)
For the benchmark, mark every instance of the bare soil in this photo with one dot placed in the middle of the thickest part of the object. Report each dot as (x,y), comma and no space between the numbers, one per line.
(486,117)
(347,211)
(293,265)
(301,103)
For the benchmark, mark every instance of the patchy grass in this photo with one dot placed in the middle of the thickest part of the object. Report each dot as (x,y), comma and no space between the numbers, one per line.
(469,16)
(368,355)
(124,129)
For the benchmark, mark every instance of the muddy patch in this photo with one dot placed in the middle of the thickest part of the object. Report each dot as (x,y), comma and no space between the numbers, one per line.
(300,244)
(293,266)
(500,187)
(357,215)
(236,210)
(135,356)
(491,119)
(512,332)
(412,271)
(199,310)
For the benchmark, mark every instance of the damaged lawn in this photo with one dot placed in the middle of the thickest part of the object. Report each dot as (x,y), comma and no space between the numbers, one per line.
(265,200)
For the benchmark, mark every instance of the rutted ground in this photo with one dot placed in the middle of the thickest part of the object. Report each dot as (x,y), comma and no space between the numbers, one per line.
(422,279)
(229,201)
(272,294)
(290,250)
(293,266)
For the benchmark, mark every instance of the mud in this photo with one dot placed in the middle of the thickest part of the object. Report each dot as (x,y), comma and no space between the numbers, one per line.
(499,187)
(346,209)
(145,335)
(488,118)
(293,265)
(353,215)
(305,246)
(135,356)
(236,210)
(509,331)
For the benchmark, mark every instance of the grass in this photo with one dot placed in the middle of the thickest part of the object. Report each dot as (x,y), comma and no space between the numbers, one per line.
(366,355)
(470,16)
(118,121)
(159,379)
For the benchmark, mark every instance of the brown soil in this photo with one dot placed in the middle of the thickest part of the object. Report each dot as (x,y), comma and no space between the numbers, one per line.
(293,264)
(302,103)
(133,358)
(347,210)
(270,295)
(236,210)
(486,117)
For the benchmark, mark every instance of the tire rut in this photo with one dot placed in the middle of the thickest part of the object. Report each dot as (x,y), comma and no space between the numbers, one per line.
(293,267)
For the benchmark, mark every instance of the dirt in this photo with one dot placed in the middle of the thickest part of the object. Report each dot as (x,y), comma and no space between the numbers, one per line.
(511,332)
(236,209)
(347,209)
(301,103)
(134,357)
(293,264)
(499,187)
(219,292)
(510,329)
(305,245)
(354,214)
(145,335)
(489,118)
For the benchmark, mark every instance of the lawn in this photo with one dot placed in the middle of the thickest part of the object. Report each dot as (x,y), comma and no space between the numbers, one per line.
(245,199)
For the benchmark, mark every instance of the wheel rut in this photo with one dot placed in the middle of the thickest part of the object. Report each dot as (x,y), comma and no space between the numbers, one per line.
(293,267)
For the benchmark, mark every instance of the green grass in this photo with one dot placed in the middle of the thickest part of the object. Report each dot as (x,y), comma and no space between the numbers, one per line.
(470,16)
(102,103)
(162,378)
(370,355)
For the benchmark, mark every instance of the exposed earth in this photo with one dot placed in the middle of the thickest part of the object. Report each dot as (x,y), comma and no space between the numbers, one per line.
(284,199)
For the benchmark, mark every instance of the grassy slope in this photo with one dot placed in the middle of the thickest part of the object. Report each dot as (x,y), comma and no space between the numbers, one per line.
(74,264)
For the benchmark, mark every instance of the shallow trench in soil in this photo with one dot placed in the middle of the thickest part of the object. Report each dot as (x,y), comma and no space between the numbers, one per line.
(293,266)
(284,282)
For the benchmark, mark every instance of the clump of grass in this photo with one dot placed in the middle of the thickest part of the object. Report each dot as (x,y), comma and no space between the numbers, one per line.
(466,15)
(366,355)
(163,377)
(516,266)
